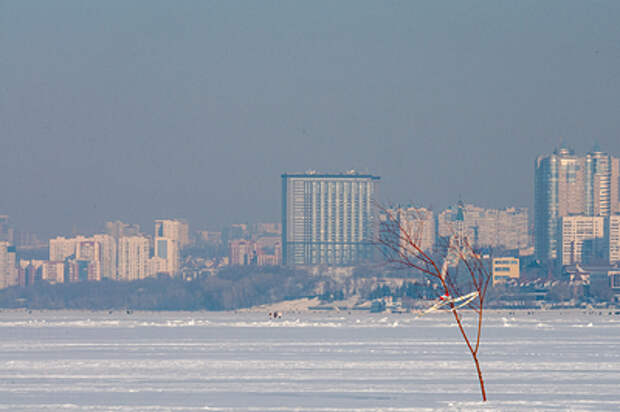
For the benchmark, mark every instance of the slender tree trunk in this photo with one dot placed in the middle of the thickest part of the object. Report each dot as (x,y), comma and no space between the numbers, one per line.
(412,256)
(484,394)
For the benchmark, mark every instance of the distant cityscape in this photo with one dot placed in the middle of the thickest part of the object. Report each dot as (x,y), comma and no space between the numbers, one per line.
(330,221)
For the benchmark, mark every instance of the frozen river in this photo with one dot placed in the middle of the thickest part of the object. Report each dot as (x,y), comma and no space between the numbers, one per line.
(179,361)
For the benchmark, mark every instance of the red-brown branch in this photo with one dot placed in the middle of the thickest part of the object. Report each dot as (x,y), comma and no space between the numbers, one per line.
(405,250)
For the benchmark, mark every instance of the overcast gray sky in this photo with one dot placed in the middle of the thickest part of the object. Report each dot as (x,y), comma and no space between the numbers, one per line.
(135,110)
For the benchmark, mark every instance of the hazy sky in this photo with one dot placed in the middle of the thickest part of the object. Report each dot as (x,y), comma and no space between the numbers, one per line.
(136,110)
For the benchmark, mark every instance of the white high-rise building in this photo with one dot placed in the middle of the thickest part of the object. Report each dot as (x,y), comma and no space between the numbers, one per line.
(175,229)
(157,265)
(168,249)
(133,258)
(328,218)
(99,249)
(108,255)
(567,184)
(612,236)
(61,248)
(497,228)
(8,266)
(601,184)
(583,239)
(419,223)
(53,271)
(90,251)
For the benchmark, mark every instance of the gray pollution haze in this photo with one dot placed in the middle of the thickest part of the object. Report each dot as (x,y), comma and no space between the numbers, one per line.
(145,109)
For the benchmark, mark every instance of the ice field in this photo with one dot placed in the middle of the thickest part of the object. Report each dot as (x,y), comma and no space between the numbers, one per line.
(179,361)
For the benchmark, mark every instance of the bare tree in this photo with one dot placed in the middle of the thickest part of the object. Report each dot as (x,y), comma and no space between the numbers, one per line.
(465,290)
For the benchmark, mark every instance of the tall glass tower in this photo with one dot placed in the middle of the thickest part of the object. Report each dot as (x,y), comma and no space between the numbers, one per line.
(570,185)
(559,191)
(598,183)
(327,218)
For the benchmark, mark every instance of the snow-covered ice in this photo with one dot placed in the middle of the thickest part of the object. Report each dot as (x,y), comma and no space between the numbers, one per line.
(178,361)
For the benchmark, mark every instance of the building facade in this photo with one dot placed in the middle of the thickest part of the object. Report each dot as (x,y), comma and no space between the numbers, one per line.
(168,250)
(100,251)
(6,229)
(8,265)
(582,240)
(601,184)
(53,271)
(414,223)
(612,237)
(496,228)
(264,251)
(174,229)
(108,255)
(328,218)
(28,271)
(133,258)
(559,188)
(566,184)
(504,269)
(118,229)
(241,252)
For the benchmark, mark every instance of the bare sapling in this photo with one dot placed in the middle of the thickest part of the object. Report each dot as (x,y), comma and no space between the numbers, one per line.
(401,246)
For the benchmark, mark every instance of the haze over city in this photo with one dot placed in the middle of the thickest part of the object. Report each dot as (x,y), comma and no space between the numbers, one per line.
(140,110)
(309,205)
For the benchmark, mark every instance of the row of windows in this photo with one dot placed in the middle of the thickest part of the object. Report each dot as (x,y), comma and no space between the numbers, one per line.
(506,262)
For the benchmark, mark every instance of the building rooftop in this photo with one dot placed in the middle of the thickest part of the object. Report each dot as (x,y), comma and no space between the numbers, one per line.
(344,175)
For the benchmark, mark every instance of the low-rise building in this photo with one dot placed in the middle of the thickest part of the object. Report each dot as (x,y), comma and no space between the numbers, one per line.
(504,269)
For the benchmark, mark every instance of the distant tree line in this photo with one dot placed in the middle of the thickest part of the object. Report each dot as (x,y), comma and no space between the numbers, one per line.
(414,290)
(232,288)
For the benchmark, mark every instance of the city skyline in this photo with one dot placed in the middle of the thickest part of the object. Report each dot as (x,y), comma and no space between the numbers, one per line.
(309,205)
(138,111)
(586,206)
(333,219)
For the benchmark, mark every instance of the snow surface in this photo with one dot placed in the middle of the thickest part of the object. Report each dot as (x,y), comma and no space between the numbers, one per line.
(332,361)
